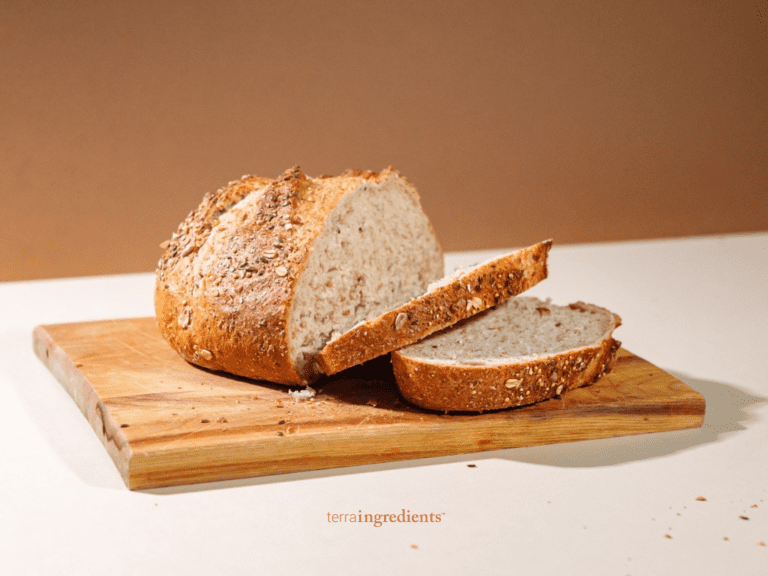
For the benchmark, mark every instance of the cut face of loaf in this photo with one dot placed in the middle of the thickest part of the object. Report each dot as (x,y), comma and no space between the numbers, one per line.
(376,251)
(259,277)
(453,298)
(523,351)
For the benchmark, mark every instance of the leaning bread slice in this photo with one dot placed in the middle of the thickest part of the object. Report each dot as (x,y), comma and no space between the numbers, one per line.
(525,350)
(455,297)
(259,276)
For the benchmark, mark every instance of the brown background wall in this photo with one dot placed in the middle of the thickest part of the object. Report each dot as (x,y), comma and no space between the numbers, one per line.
(517,121)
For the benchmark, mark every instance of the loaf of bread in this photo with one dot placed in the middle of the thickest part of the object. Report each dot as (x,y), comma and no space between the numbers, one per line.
(453,298)
(257,278)
(522,351)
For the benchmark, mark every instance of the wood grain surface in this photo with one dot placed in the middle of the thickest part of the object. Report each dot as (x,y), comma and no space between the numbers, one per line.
(165,422)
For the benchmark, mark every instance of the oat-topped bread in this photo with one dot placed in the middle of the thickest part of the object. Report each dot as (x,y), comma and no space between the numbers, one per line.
(522,351)
(447,301)
(259,276)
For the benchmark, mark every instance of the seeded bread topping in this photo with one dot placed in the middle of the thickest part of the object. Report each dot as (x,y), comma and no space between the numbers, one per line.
(257,279)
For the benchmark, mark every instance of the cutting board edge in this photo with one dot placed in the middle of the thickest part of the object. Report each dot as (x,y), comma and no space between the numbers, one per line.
(85,397)
(143,474)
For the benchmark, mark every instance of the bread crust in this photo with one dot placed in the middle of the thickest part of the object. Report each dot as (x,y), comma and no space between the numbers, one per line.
(480,388)
(225,284)
(465,296)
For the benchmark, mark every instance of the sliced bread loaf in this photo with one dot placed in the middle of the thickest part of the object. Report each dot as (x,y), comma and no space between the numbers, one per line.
(257,278)
(522,351)
(455,297)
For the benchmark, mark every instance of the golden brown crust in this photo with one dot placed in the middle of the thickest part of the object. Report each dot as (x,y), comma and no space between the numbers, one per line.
(472,388)
(465,296)
(225,283)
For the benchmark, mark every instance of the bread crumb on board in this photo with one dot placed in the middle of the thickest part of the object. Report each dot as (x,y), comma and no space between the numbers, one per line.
(302,395)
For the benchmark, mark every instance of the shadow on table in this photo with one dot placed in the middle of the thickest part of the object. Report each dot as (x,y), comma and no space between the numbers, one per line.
(727,410)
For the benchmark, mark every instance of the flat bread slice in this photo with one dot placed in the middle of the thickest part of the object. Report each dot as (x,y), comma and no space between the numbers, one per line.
(523,351)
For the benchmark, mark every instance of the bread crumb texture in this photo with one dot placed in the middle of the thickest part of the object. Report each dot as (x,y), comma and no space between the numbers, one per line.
(445,303)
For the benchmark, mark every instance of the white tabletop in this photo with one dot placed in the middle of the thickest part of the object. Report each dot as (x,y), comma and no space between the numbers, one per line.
(697,308)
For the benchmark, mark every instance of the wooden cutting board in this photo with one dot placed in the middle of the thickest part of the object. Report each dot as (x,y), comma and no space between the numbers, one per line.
(165,422)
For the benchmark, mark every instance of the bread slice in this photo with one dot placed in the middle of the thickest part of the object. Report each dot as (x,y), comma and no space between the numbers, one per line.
(524,350)
(259,276)
(455,297)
